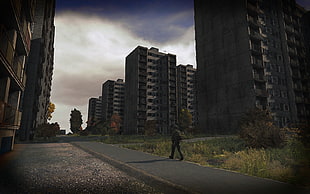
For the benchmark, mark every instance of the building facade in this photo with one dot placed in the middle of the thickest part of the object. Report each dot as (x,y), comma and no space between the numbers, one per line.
(94,111)
(186,90)
(150,90)
(39,70)
(249,54)
(16,18)
(113,94)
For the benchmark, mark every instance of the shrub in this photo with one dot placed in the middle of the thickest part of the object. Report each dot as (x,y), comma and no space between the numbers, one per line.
(84,133)
(258,130)
(47,130)
(150,128)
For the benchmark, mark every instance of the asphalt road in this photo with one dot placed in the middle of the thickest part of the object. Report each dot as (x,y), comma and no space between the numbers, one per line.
(79,165)
(62,168)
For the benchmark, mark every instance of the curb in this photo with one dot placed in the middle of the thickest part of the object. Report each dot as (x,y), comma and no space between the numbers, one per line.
(157,182)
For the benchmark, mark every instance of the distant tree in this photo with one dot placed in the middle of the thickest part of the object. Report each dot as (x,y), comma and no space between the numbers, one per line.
(185,120)
(75,121)
(51,108)
(150,128)
(115,123)
(258,130)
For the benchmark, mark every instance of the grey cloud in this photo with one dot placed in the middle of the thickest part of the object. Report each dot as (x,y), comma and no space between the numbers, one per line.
(84,60)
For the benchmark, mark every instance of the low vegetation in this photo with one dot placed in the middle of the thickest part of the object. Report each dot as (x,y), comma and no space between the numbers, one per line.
(287,164)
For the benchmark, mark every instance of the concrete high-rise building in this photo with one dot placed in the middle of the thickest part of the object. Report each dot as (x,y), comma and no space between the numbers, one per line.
(39,70)
(150,92)
(113,93)
(94,111)
(186,90)
(250,53)
(16,18)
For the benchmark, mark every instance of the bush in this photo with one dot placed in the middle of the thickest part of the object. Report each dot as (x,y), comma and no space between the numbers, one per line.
(47,130)
(150,128)
(258,130)
(84,133)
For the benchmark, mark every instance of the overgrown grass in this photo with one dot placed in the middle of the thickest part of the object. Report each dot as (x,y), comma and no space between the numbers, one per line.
(288,164)
(127,139)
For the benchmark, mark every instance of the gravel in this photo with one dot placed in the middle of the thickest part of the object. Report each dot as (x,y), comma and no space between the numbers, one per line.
(63,168)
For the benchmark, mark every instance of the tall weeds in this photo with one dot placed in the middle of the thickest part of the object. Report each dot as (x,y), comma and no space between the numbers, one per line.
(289,163)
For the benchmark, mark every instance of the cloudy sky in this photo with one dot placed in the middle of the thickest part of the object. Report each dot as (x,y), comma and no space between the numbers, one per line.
(93,37)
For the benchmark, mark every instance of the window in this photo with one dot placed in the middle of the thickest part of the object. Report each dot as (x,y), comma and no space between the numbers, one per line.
(283,94)
(286,107)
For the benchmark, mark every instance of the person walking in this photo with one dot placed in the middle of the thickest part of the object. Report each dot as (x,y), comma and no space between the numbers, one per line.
(175,138)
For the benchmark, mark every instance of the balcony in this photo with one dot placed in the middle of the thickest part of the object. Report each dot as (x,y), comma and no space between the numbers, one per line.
(253,22)
(142,79)
(297,88)
(9,116)
(17,6)
(261,93)
(18,65)
(141,107)
(287,18)
(256,49)
(292,52)
(255,35)
(291,42)
(142,87)
(294,63)
(6,46)
(299,100)
(253,10)
(142,72)
(30,6)
(289,28)
(296,75)
(259,77)
(142,58)
(257,65)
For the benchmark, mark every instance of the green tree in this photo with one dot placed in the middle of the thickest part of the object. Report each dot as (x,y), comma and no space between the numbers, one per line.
(75,121)
(258,130)
(185,120)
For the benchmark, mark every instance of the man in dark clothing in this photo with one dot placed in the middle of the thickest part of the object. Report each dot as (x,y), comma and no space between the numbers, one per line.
(176,138)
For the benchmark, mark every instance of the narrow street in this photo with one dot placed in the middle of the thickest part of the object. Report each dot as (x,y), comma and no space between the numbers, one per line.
(62,168)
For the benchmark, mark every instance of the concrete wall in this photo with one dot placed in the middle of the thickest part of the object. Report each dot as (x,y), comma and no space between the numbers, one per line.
(224,74)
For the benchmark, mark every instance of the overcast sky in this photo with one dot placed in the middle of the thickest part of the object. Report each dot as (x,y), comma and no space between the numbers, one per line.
(93,37)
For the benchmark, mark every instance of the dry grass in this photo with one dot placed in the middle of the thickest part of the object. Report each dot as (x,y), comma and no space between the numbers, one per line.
(288,164)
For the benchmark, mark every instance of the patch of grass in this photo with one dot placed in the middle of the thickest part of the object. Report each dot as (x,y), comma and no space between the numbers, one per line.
(125,139)
(288,164)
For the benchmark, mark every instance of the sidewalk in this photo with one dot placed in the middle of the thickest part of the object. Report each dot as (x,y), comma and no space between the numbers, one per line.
(184,176)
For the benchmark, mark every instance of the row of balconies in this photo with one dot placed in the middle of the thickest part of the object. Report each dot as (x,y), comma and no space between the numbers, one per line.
(7,43)
(9,115)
